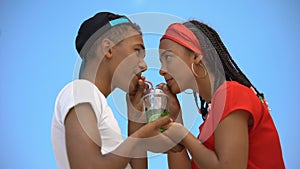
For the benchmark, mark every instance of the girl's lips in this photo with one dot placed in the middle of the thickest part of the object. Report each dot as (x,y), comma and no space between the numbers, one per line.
(169,81)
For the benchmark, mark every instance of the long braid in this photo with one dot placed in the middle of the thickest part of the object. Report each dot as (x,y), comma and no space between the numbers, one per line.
(231,69)
(203,108)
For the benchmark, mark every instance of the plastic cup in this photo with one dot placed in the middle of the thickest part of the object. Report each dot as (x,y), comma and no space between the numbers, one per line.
(155,105)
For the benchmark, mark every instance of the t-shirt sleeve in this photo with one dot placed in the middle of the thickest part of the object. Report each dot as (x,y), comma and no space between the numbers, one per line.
(76,93)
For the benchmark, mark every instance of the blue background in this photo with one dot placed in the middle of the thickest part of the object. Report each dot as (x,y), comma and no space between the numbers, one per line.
(38,58)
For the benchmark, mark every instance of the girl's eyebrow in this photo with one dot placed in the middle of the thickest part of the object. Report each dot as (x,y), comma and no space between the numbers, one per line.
(166,51)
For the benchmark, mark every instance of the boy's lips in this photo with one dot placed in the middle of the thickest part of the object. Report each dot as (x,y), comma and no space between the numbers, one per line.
(139,75)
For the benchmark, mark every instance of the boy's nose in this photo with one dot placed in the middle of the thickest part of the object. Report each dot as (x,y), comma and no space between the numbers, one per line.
(142,65)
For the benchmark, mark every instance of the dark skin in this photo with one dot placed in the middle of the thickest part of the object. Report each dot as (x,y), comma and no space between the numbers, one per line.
(231,134)
(88,154)
(82,135)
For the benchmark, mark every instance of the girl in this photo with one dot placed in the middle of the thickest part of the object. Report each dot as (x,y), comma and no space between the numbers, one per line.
(238,131)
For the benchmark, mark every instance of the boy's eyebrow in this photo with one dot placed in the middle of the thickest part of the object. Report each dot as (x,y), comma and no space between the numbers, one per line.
(140,45)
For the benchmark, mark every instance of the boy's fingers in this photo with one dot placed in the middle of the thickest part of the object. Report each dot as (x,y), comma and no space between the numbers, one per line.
(139,91)
(166,127)
(162,122)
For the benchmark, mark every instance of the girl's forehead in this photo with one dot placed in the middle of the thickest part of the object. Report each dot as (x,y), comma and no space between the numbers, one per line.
(166,42)
(172,46)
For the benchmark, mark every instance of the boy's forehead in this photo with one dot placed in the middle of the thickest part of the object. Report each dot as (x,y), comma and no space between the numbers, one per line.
(135,39)
(128,34)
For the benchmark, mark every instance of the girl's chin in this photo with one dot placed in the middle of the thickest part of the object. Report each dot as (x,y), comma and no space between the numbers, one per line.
(174,89)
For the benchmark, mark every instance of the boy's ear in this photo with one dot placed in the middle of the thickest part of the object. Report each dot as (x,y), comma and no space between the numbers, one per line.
(106,47)
(197,58)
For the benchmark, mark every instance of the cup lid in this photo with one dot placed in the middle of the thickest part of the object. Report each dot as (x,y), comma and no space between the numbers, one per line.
(155,92)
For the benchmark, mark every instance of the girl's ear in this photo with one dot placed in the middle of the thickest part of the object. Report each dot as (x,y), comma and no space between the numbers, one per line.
(197,58)
(106,47)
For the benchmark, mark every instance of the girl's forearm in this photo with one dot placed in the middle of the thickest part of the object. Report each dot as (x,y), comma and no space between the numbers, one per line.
(202,156)
(179,160)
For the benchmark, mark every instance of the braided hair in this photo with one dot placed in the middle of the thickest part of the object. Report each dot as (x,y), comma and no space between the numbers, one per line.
(231,69)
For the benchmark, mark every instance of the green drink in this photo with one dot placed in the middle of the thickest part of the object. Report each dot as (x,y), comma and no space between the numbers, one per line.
(155,114)
(155,105)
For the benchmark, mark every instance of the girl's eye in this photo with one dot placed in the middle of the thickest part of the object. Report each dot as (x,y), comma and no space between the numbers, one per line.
(167,57)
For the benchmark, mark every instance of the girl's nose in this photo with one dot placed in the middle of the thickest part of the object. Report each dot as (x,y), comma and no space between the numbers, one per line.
(162,72)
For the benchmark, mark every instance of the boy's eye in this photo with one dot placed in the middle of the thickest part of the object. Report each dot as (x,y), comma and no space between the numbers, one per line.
(140,52)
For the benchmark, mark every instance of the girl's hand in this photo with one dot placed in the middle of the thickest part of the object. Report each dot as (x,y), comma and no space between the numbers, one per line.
(173,104)
(150,137)
(175,132)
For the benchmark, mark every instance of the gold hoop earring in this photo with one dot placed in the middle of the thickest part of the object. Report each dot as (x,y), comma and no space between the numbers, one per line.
(203,67)
(194,70)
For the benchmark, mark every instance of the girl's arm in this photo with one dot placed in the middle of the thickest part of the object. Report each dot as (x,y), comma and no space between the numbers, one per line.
(179,160)
(231,144)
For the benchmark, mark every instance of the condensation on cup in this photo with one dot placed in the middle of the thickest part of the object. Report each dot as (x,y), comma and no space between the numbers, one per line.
(155,104)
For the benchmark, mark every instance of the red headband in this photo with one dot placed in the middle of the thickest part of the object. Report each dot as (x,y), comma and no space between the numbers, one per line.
(177,32)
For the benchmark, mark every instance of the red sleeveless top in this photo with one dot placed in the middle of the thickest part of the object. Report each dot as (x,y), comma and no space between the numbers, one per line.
(264,144)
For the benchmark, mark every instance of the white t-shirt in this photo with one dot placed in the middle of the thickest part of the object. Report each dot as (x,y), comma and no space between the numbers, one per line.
(74,93)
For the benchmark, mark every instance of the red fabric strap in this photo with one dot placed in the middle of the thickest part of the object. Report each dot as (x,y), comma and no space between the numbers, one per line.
(180,34)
